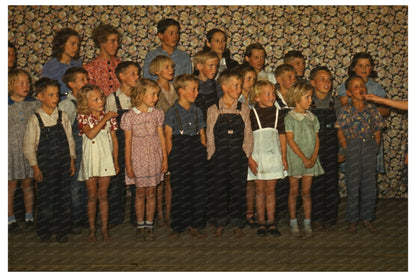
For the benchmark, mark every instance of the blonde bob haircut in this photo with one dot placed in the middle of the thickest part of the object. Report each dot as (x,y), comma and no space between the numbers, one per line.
(257,89)
(13,75)
(158,62)
(296,92)
(137,93)
(82,97)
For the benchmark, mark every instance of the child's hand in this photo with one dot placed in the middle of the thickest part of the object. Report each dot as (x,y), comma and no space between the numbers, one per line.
(164,166)
(252,164)
(37,174)
(313,160)
(117,168)
(72,168)
(341,158)
(284,162)
(129,171)
(110,114)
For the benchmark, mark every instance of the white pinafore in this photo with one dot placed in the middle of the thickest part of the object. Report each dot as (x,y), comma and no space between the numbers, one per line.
(97,155)
(267,152)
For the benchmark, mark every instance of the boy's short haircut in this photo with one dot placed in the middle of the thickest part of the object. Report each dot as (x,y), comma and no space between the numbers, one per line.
(100,34)
(291,55)
(283,68)
(350,79)
(226,75)
(202,56)
(183,80)
(253,46)
(156,63)
(13,74)
(43,83)
(163,24)
(315,71)
(70,74)
(121,67)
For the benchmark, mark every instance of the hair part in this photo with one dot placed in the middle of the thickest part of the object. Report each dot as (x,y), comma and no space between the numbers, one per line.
(43,83)
(258,89)
(157,63)
(362,55)
(163,24)
(296,92)
(350,79)
(12,78)
(282,69)
(253,46)
(100,34)
(59,42)
(71,73)
(137,93)
(82,97)
(183,80)
(123,66)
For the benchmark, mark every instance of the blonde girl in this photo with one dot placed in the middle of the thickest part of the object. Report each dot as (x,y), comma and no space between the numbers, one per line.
(146,158)
(268,160)
(302,128)
(21,106)
(99,153)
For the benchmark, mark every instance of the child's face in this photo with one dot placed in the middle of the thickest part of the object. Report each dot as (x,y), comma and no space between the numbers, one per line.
(299,65)
(170,37)
(233,87)
(363,68)
(50,97)
(12,57)
(249,80)
(95,101)
(322,82)
(256,59)
(218,43)
(130,76)
(167,71)
(71,47)
(305,101)
(189,92)
(267,97)
(81,79)
(287,80)
(151,96)
(21,86)
(110,47)
(208,69)
(357,89)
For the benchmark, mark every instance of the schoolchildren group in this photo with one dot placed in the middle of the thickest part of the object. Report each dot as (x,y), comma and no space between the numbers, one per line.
(207,142)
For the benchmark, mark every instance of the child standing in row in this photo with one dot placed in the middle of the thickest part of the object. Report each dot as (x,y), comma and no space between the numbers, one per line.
(21,107)
(185,143)
(164,68)
(268,161)
(99,153)
(75,78)
(359,129)
(297,60)
(127,72)
(146,158)
(255,56)
(324,192)
(49,147)
(229,145)
(302,128)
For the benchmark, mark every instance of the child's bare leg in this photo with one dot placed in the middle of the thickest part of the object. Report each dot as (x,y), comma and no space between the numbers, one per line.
(104,183)
(293,195)
(306,196)
(91,185)
(150,203)
(168,198)
(251,198)
(27,189)
(139,203)
(12,186)
(270,200)
(260,200)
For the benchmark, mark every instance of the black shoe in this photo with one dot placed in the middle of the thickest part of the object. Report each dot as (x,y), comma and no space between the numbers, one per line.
(62,238)
(272,230)
(29,226)
(261,230)
(14,228)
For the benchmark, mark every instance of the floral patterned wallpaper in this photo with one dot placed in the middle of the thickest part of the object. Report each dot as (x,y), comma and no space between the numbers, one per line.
(327,35)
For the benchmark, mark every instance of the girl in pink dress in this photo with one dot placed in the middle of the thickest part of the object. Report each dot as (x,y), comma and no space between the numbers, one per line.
(146,158)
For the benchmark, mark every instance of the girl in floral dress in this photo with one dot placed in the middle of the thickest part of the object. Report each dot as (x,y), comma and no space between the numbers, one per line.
(146,158)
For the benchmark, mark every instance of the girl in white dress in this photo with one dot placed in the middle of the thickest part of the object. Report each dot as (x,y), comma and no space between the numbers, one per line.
(99,153)
(268,160)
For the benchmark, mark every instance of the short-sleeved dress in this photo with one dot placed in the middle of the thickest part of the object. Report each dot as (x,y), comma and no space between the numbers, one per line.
(304,128)
(97,153)
(146,150)
(18,117)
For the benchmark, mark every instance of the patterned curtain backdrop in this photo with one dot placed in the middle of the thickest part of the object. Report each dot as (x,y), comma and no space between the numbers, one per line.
(327,35)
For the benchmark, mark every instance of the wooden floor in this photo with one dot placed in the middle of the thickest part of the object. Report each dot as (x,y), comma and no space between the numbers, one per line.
(334,251)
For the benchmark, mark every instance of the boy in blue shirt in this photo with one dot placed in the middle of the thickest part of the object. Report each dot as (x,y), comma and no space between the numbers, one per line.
(185,144)
(168,31)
